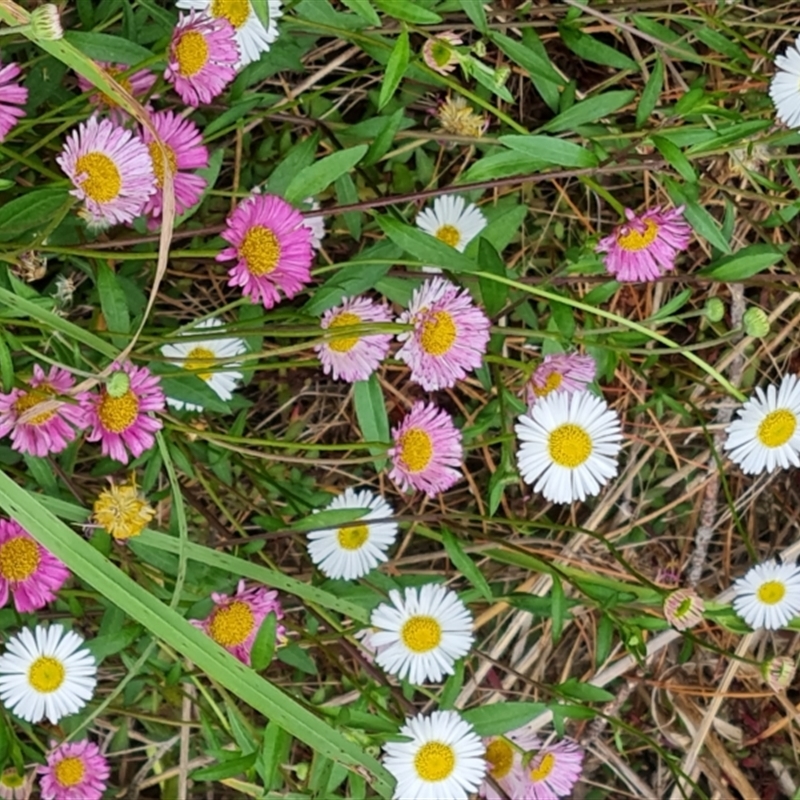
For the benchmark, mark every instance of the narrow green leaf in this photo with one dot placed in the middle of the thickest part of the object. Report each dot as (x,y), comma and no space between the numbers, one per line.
(475,11)
(465,565)
(493,293)
(113,303)
(701,220)
(364,10)
(428,249)
(407,11)
(262,12)
(603,640)
(383,141)
(371,414)
(104,47)
(189,388)
(590,49)
(330,518)
(295,656)
(651,93)
(321,174)
(558,602)
(273,748)
(552,150)
(743,263)
(32,210)
(6,365)
(500,718)
(501,165)
(590,110)
(227,769)
(675,157)
(264,643)
(580,690)
(395,69)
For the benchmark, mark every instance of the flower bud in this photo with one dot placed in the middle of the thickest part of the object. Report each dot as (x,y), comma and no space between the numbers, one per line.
(46,23)
(683,609)
(714,309)
(756,323)
(779,672)
(118,383)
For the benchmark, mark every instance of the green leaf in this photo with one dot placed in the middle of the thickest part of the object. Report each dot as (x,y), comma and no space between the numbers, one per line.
(475,11)
(590,49)
(534,59)
(112,303)
(329,518)
(264,643)
(295,656)
(372,418)
(493,293)
(364,10)
(552,150)
(395,69)
(701,221)
(33,210)
(651,93)
(743,263)
(675,157)
(500,718)
(604,640)
(189,388)
(104,47)
(590,110)
(465,565)
(407,11)
(585,692)
(500,165)
(321,174)
(383,141)
(227,769)
(262,12)
(273,748)
(6,365)
(559,608)
(428,249)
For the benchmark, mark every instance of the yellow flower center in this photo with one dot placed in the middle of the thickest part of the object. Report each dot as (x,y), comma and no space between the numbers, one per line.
(158,163)
(19,559)
(777,428)
(434,761)
(569,445)
(500,755)
(69,771)
(235,11)
(117,414)
(343,320)
(543,768)
(46,674)
(352,537)
(261,250)
(201,358)
(634,240)
(32,399)
(421,633)
(771,592)
(103,180)
(449,234)
(439,332)
(416,449)
(191,51)
(552,383)
(125,83)
(122,512)
(232,624)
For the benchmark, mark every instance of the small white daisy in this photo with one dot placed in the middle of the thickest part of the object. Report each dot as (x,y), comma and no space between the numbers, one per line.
(46,673)
(569,445)
(353,550)
(452,221)
(784,88)
(768,595)
(200,357)
(766,434)
(444,759)
(315,224)
(420,634)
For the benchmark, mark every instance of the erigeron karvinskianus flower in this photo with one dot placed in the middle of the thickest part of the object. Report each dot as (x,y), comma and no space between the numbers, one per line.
(645,247)
(569,445)
(456,117)
(504,761)
(316,223)
(768,595)
(122,510)
(439,54)
(784,88)
(683,609)
(47,432)
(74,771)
(137,85)
(46,23)
(452,220)
(271,247)
(12,98)
(552,772)
(560,372)
(16,786)
(353,357)
(421,633)
(779,672)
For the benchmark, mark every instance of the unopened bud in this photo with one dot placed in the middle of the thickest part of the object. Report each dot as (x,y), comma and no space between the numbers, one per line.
(714,309)
(46,23)
(779,672)
(118,384)
(756,323)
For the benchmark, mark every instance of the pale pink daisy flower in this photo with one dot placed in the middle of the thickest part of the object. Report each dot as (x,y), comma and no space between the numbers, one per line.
(235,619)
(354,357)
(427,450)
(28,571)
(271,246)
(111,170)
(185,151)
(560,372)
(645,247)
(552,773)
(16,786)
(449,337)
(438,52)
(504,757)
(12,97)
(48,432)
(118,414)
(138,85)
(74,771)
(202,58)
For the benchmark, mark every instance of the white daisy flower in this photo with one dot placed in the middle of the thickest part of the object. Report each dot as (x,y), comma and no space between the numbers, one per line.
(201,357)
(766,434)
(251,35)
(768,595)
(46,673)
(315,224)
(444,759)
(420,634)
(452,221)
(353,550)
(569,445)
(784,88)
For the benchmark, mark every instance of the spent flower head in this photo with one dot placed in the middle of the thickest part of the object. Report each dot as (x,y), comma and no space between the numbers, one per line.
(683,609)
(122,510)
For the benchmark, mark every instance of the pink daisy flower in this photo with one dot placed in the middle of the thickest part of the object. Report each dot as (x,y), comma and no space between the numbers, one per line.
(202,58)
(12,96)
(138,85)
(645,247)
(28,571)
(118,415)
(560,372)
(504,756)
(111,170)
(45,433)
(449,337)
(439,53)
(427,450)
(271,246)
(356,357)
(235,620)
(552,773)
(74,771)
(185,151)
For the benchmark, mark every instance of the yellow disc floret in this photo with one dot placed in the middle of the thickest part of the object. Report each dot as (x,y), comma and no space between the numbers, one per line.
(344,320)
(235,11)
(231,624)
(569,445)
(771,592)
(122,511)
(69,771)
(46,674)
(201,360)
(421,633)
(416,449)
(102,181)
(352,537)
(439,333)
(117,414)
(434,761)
(635,240)
(261,251)
(191,51)
(19,559)
(156,157)
(777,428)
(500,754)
(449,234)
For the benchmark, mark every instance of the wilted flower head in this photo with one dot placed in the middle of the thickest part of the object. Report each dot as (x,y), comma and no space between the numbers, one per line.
(438,52)
(122,510)
(683,609)
(46,23)
(457,117)
(779,672)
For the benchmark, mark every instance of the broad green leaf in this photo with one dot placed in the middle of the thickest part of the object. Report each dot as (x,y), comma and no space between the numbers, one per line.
(651,93)
(743,263)
(372,418)
(475,11)
(104,47)
(395,69)
(552,150)
(407,11)
(675,157)
(112,303)
(364,10)
(465,565)
(428,249)
(701,220)
(295,656)
(318,176)
(500,718)
(590,110)
(531,55)
(500,165)
(264,643)
(273,749)
(34,209)
(590,49)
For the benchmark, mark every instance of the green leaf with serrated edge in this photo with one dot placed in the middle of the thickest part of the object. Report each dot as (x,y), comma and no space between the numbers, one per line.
(104,47)
(364,10)
(586,693)
(743,263)
(588,48)
(464,564)
(428,249)
(329,518)
(651,93)
(407,11)
(395,69)
(112,303)
(701,221)
(264,643)
(675,158)
(318,176)
(373,420)
(500,718)
(559,608)
(590,110)
(552,150)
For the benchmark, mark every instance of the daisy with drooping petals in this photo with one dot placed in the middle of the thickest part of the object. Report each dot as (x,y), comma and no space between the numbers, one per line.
(438,52)
(202,357)
(12,98)
(14,786)
(28,571)
(353,550)
(354,357)
(504,757)
(683,609)
(560,372)
(779,672)
(421,633)
(252,37)
(185,151)
(137,85)
(122,510)
(46,672)
(119,414)
(444,759)
(766,433)
(45,433)
(111,170)
(449,337)
(427,450)
(569,446)
(74,771)
(271,246)
(452,220)
(202,58)
(552,773)
(768,595)
(784,88)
